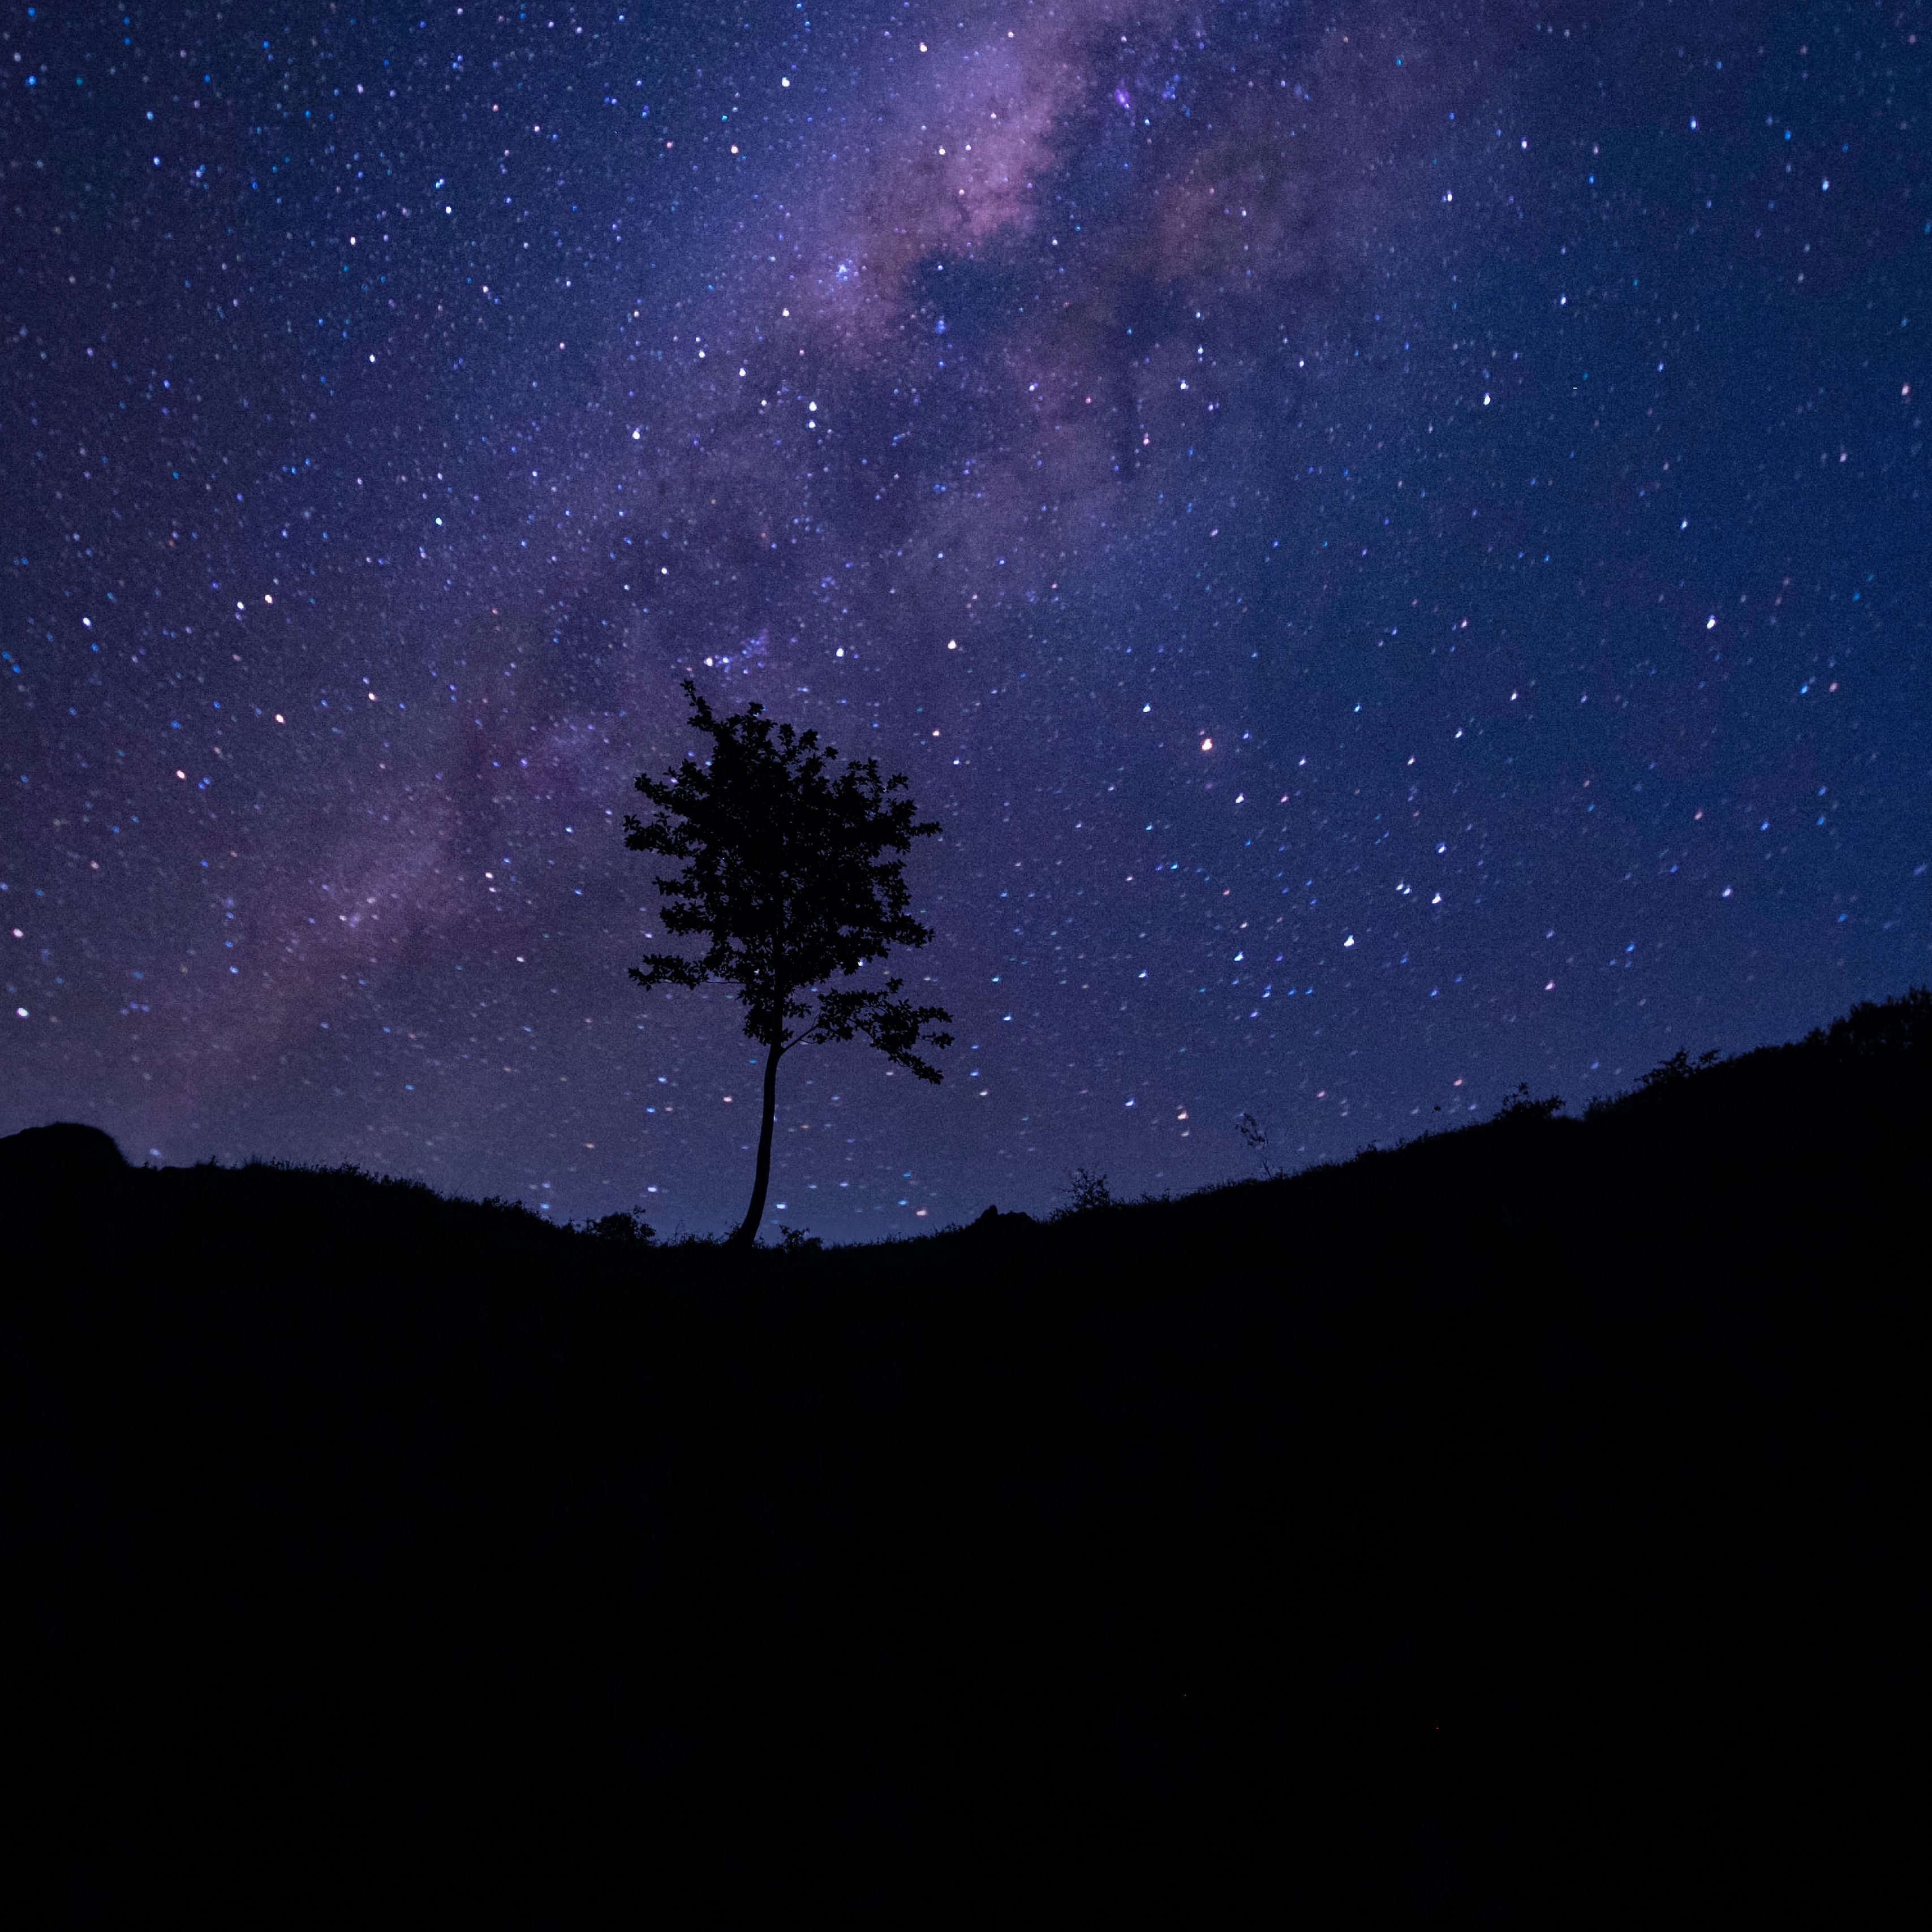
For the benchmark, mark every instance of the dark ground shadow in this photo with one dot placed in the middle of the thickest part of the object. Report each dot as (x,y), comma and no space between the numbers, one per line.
(1510,1528)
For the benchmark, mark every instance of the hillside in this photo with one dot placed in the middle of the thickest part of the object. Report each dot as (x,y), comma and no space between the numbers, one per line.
(1509,1527)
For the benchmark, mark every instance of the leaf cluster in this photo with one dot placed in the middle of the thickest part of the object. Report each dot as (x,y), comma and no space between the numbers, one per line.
(786,867)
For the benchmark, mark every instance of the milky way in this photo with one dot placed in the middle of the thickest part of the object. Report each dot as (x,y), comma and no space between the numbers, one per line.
(1394,544)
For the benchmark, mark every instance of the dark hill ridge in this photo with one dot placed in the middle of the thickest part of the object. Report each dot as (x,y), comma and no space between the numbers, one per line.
(1795,1108)
(1509,1527)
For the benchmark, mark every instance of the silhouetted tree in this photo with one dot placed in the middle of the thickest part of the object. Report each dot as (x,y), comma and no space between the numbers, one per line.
(784,871)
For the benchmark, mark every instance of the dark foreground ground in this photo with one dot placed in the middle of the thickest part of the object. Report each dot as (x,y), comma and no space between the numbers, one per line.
(1519,1528)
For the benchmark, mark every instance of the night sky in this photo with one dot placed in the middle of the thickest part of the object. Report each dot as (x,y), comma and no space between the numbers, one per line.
(1396,543)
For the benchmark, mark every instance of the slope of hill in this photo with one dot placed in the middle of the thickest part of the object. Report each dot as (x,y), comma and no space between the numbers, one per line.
(1512,1526)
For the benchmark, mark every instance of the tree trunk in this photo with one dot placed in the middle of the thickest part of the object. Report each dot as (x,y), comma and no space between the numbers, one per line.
(748,1231)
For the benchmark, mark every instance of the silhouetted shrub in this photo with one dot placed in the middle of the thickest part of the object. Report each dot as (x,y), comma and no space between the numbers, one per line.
(1878,1027)
(623,1229)
(1085,1190)
(1680,1066)
(1521,1106)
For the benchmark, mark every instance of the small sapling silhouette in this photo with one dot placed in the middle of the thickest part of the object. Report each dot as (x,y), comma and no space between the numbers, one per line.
(784,870)
(1252,1131)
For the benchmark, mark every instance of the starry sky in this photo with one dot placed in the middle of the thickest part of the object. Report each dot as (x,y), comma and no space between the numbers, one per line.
(1393,540)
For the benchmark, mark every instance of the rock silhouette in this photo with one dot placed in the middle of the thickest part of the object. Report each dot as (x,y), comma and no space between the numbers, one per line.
(63,1153)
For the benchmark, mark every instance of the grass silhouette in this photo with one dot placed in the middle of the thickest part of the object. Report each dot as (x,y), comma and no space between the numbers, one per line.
(1509,1527)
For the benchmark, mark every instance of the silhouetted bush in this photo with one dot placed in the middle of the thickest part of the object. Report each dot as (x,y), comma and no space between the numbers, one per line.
(1085,1191)
(1678,1067)
(624,1229)
(1887,1028)
(1523,1107)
